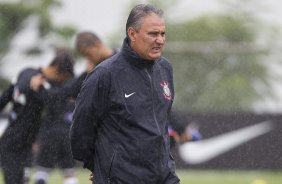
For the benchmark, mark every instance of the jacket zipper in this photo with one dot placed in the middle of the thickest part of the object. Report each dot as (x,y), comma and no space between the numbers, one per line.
(152,91)
(112,162)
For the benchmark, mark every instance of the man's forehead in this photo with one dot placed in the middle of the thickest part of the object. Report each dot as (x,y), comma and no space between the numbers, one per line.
(151,17)
(153,20)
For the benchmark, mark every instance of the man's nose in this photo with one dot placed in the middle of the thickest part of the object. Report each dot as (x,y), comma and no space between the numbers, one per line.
(160,39)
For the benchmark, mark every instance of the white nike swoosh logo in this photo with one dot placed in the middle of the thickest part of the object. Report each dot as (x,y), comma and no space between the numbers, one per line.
(126,96)
(205,150)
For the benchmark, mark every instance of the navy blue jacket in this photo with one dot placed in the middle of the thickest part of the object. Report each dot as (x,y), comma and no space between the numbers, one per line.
(120,125)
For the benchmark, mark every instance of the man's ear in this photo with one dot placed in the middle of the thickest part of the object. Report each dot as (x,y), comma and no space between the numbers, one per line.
(131,34)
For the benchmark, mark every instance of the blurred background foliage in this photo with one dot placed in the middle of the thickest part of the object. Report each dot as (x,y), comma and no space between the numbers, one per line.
(15,17)
(219,63)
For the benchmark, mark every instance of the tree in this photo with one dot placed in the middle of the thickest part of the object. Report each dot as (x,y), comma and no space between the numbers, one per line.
(15,15)
(217,64)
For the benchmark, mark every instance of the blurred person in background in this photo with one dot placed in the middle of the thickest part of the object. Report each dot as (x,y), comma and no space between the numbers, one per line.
(25,117)
(90,46)
(54,139)
(53,144)
(120,124)
(182,131)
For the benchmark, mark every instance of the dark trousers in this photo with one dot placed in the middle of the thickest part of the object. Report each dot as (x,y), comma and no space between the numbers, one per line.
(13,165)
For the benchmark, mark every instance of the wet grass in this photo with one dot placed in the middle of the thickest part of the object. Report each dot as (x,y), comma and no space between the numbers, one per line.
(230,177)
(197,177)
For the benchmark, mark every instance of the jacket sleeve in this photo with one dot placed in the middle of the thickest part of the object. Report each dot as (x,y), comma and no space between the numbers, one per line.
(6,96)
(90,109)
(69,89)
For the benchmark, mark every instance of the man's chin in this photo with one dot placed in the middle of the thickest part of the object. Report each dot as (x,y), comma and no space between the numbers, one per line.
(155,56)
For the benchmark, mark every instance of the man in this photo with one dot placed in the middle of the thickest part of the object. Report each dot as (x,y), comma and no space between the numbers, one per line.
(90,46)
(120,124)
(53,147)
(53,144)
(16,143)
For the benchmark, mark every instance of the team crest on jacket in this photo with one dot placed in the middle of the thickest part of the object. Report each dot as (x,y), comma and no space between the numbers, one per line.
(166,90)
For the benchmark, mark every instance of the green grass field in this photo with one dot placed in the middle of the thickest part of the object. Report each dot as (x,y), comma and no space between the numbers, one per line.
(230,177)
(198,177)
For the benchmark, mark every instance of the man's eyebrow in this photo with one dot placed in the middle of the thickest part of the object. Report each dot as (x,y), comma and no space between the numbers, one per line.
(155,32)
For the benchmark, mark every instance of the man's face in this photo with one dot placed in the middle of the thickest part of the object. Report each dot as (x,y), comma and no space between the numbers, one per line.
(91,53)
(149,40)
(54,74)
(63,77)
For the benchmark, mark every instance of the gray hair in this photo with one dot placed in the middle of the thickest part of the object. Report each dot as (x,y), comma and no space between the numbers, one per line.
(138,13)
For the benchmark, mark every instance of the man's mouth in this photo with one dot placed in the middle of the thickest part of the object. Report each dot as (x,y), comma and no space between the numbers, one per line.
(156,49)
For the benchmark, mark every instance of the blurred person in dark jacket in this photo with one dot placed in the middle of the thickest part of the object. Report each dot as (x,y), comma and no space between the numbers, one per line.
(25,117)
(53,147)
(53,144)
(120,124)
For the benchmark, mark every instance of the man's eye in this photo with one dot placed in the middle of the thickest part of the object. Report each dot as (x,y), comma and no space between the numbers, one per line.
(153,33)
(157,34)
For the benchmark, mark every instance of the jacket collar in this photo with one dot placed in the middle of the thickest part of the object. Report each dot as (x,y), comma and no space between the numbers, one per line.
(133,58)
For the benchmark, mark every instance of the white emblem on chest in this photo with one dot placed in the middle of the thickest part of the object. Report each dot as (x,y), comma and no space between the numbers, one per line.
(166,90)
